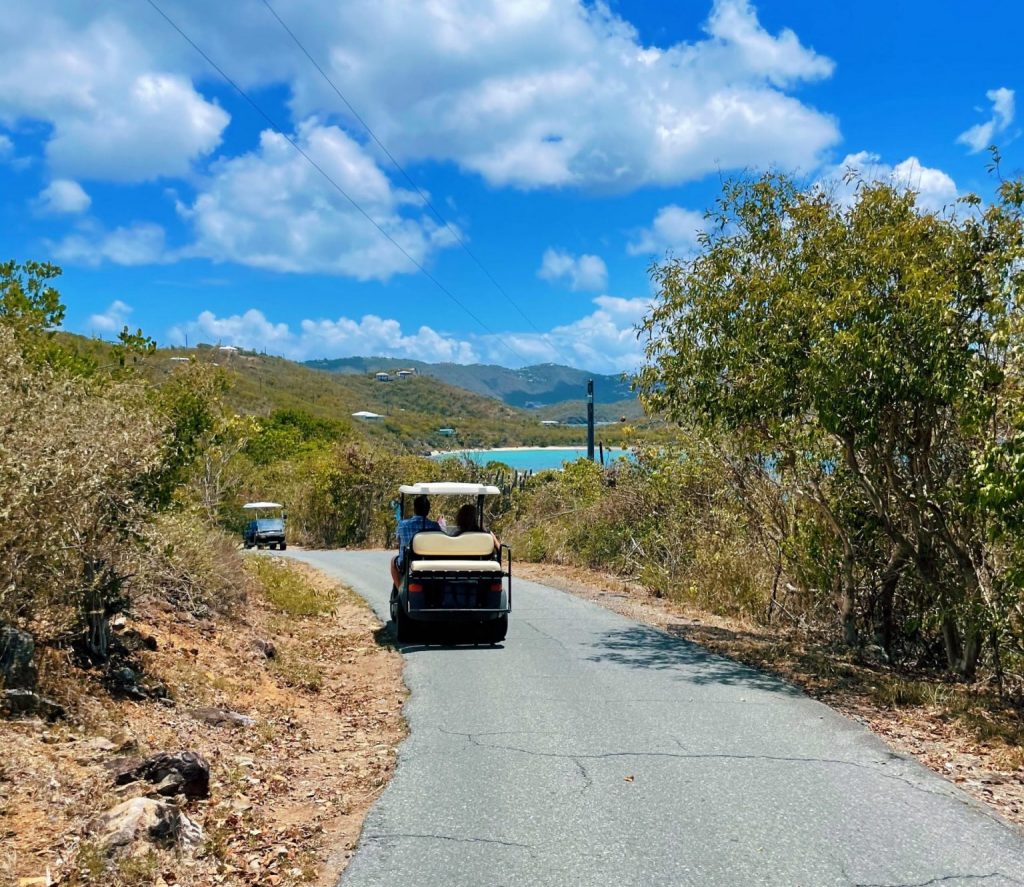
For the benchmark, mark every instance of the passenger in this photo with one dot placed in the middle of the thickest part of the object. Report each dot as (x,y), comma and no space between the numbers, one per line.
(465,522)
(409,528)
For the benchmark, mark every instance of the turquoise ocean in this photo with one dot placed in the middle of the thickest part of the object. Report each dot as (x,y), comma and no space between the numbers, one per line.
(534,459)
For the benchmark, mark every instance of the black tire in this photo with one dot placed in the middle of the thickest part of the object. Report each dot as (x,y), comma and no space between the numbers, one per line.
(272,546)
(247,545)
(495,630)
(284,546)
(405,628)
(259,547)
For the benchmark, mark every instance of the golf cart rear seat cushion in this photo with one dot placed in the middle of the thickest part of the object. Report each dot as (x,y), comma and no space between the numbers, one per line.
(442,545)
(453,566)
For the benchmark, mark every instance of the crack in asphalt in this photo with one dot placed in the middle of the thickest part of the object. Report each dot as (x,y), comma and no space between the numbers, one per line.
(454,838)
(944,878)
(588,781)
(474,739)
(550,637)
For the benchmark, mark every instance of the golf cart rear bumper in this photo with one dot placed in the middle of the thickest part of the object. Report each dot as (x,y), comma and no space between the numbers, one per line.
(470,614)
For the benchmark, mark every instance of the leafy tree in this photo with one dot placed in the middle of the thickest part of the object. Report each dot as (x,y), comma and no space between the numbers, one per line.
(860,347)
(131,347)
(29,305)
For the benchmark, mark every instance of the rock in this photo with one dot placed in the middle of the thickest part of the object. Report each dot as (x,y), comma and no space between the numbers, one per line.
(90,749)
(185,772)
(148,819)
(221,717)
(17,703)
(873,654)
(17,665)
(133,640)
(125,682)
(267,648)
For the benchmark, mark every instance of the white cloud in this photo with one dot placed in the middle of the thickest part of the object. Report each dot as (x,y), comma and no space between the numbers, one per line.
(981,135)
(115,112)
(563,93)
(111,320)
(63,196)
(604,340)
(935,189)
(6,147)
(369,336)
(526,94)
(272,209)
(140,244)
(585,272)
(674,229)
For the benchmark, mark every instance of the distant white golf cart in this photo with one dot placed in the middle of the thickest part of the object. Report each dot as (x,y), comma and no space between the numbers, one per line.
(453,580)
(265,525)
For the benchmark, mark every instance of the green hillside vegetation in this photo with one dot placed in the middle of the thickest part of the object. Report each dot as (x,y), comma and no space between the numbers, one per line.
(414,409)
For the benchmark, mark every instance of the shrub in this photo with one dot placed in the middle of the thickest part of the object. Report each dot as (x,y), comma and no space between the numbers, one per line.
(71,459)
(191,566)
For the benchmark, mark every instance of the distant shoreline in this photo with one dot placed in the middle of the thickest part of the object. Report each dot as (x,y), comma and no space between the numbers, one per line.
(515,450)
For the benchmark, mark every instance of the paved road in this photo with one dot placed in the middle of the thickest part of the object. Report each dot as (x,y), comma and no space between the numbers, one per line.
(592,750)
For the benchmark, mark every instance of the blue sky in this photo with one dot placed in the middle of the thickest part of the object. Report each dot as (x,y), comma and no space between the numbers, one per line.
(568,144)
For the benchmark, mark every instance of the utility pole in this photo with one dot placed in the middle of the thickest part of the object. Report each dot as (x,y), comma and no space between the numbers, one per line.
(590,420)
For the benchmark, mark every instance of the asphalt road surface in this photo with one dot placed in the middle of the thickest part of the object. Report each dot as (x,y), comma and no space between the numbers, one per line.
(592,750)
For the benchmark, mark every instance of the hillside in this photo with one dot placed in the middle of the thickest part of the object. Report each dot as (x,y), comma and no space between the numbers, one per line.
(534,386)
(414,409)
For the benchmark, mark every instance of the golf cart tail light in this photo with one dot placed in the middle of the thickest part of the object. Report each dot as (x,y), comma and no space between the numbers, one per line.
(415,586)
(495,586)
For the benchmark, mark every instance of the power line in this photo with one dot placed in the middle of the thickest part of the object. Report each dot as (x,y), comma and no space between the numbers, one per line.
(280,131)
(426,200)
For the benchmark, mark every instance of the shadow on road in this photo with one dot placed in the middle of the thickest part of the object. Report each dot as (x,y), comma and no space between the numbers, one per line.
(648,648)
(440,640)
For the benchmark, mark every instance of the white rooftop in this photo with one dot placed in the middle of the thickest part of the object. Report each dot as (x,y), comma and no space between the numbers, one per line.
(448,488)
(366,414)
(263,505)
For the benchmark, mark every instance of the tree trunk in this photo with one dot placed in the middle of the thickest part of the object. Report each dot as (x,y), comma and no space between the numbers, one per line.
(951,640)
(962,655)
(887,593)
(847,602)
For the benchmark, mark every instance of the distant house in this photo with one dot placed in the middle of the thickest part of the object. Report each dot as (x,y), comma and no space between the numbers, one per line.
(550,422)
(367,416)
(382,377)
(228,349)
(446,432)
(405,374)
(180,359)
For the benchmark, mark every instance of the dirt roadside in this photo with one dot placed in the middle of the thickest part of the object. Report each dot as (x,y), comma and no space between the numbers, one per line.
(963,733)
(288,791)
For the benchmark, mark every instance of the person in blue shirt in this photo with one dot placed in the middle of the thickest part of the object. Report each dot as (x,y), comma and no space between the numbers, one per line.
(408,528)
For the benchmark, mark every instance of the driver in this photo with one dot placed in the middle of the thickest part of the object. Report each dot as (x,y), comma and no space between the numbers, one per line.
(407,529)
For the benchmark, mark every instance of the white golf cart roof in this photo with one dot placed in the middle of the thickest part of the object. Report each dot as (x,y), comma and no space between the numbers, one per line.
(263,505)
(448,488)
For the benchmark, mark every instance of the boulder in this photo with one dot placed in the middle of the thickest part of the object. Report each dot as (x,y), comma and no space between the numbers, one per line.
(145,819)
(16,703)
(185,772)
(267,649)
(221,717)
(17,665)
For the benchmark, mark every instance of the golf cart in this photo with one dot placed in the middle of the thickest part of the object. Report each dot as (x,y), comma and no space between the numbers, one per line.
(266,525)
(453,580)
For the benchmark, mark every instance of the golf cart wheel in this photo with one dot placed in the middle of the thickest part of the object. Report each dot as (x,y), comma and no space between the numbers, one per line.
(405,628)
(272,546)
(283,546)
(495,630)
